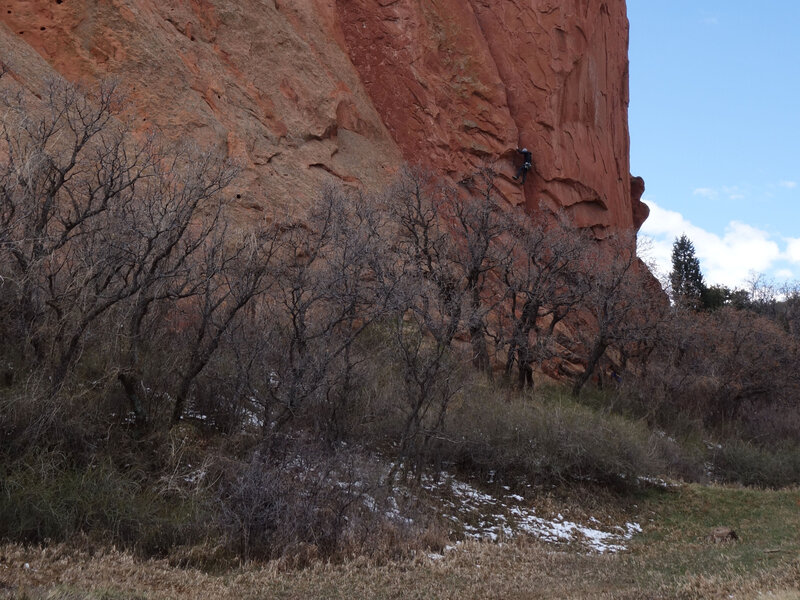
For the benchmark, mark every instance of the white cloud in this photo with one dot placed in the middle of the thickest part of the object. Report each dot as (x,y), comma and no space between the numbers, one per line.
(706,192)
(728,259)
(734,192)
(789,185)
(793,250)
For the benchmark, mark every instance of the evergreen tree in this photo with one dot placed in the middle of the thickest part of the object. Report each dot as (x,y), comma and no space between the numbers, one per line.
(688,288)
(716,296)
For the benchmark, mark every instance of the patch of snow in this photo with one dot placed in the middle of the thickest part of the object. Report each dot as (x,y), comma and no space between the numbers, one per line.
(467,493)
(633,528)
(657,481)
(664,435)
(252,419)
(392,512)
(484,517)
(369,502)
(435,556)
(193,414)
(195,476)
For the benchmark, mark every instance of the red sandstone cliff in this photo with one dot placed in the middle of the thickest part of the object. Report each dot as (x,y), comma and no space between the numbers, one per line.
(306,91)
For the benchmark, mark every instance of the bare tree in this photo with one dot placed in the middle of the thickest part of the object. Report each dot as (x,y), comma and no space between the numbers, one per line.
(416,208)
(106,240)
(68,171)
(727,369)
(478,225)
(163,236)
(231,275)
(428,296)
(421,346)
(544,280)
(791,308)
(326,295)
(623,307)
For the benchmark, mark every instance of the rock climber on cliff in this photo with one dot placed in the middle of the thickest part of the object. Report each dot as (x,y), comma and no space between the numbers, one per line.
(527,163)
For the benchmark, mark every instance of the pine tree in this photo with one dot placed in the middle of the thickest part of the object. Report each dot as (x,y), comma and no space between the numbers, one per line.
(688,287)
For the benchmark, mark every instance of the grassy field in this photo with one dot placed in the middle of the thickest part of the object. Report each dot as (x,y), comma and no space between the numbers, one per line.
(671,558)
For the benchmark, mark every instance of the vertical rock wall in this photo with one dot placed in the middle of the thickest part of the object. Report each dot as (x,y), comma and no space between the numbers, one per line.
(304,92)
(461,82)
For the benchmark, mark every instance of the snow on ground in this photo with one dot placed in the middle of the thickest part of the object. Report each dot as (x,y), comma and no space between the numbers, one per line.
(483,516)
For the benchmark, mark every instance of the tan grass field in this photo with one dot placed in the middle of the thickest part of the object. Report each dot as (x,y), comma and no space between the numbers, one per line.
(672,558)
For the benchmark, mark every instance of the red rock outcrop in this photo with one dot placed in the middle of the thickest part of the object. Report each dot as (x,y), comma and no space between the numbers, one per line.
(308,91)
(640,210)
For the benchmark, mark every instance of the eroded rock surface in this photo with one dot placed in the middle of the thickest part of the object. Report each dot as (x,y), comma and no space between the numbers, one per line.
(303,92)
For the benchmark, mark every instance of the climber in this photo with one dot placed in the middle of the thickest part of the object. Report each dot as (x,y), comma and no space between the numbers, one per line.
(527,163)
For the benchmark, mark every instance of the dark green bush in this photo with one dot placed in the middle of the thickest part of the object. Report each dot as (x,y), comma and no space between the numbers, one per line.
(44,497)
(548,439)
(745,463)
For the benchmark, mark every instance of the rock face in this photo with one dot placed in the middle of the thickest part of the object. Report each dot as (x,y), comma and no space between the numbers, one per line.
(302,92)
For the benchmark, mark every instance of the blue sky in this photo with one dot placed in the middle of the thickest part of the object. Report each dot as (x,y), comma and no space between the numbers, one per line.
(715,132)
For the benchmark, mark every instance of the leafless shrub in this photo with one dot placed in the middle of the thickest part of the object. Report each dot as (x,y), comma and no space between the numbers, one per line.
(326,292)
(119,248)
(544,281)
(478,226)
(729,370)
(428,299)
(66,170)
(306,502)
(622,308)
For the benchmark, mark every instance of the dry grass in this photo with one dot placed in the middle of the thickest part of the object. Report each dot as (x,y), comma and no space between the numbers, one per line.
(519,570)
(671,559)
(522,570)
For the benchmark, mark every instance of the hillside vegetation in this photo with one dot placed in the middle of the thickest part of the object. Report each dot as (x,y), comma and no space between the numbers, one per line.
(672,558)
(181,388)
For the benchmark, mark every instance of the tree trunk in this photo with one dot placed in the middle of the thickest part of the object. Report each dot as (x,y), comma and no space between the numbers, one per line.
(525,375)
(530,311)
(480,353)
(597,353)
(131,384)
